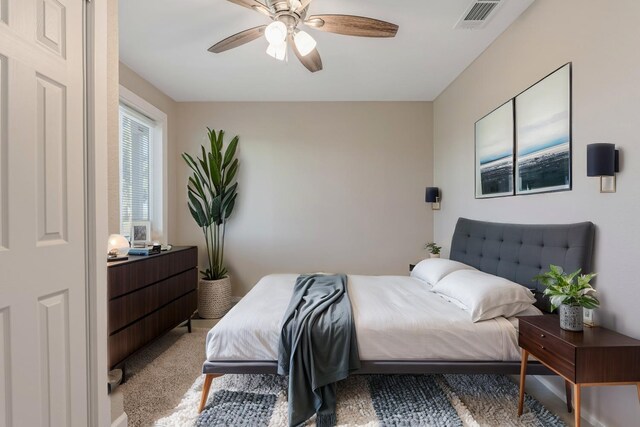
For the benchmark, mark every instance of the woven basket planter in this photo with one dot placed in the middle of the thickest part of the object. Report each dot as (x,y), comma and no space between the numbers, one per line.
(214,298)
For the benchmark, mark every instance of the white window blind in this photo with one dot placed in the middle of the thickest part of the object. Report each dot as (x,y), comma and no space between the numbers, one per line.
(136,134)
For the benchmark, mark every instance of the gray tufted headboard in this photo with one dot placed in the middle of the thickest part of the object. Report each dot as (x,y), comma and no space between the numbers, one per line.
(518,252)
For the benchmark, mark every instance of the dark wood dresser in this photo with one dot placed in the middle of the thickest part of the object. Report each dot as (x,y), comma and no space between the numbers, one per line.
(596,356)
(148,296)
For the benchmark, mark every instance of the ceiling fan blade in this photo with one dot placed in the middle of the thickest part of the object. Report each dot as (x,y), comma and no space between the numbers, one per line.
(238,39)
(253,4)
(350,25)
(312,60)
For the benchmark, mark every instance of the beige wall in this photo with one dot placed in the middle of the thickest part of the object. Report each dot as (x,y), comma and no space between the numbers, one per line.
(602,42)
(138,85)
(322,186)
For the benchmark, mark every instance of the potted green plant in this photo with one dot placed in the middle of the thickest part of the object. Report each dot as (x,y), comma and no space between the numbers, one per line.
(433,249)
(571,293)
(212,197)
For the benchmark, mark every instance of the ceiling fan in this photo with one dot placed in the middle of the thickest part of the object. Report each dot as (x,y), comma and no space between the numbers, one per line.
(287,15)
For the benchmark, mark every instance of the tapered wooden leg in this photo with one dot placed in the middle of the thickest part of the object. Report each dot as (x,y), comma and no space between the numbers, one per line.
(205,390)
(523,375)
(576,404)
(638,385)
(567,391)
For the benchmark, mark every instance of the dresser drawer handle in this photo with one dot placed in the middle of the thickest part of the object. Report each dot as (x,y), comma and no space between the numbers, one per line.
(542,347)
(542,336)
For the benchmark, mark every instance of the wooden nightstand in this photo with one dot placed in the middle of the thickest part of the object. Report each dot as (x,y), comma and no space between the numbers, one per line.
(594,357)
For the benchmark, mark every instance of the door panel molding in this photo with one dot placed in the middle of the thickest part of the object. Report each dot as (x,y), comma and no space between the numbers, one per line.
(51,24)
(3,11)
(53,313)
(51,162)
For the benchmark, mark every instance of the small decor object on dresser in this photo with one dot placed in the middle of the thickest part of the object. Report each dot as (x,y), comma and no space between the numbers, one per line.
(433,249)
(140,232)
(212,197)
(571,292)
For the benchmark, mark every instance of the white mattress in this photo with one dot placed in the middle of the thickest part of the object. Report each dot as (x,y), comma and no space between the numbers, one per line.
(396,317)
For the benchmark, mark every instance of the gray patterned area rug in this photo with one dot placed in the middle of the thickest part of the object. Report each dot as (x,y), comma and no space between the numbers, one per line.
(372,400)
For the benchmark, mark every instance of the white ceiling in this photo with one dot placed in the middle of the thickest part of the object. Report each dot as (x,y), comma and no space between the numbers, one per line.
(166,42)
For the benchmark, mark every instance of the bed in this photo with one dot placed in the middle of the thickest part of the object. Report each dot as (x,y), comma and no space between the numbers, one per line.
(403,327)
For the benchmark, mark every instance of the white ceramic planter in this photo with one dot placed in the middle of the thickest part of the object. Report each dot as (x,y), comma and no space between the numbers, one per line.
(214,298)
(434,255)
(571,317)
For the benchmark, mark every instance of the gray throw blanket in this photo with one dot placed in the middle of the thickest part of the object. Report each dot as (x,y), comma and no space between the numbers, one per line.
(318,346)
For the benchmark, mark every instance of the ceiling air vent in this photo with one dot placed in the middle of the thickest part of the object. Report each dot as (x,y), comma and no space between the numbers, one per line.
(478,14)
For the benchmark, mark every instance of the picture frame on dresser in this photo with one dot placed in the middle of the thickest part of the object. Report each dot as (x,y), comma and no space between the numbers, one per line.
(140,232)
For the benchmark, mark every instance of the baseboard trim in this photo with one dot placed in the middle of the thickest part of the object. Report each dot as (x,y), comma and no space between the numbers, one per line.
(121,421)
(560,392)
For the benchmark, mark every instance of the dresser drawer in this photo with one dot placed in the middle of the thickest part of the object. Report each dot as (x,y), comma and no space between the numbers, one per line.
(128,340)
(131,307)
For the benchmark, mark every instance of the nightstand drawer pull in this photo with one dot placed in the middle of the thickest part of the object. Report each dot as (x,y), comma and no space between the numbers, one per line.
(542,335)
(542,347)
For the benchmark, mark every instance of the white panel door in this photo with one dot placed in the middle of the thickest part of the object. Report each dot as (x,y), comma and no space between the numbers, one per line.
(43,363)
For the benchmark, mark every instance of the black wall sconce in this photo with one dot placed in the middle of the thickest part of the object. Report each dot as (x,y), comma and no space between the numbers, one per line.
(603,160)
(433,196)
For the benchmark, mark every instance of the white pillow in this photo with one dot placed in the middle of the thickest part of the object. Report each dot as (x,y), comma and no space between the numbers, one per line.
(432,270)
(486,296)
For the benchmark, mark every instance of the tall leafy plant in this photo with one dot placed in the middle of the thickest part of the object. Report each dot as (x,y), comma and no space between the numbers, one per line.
(212,196)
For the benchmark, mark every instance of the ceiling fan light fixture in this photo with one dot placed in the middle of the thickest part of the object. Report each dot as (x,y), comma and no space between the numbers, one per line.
(277,51)
(304,42)
(276,33)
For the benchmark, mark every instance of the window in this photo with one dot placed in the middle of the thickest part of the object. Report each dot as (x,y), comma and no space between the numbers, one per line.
(136,135)
(143,166)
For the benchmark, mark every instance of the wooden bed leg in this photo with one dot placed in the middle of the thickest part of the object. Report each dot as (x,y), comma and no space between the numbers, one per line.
(523,376)
(208,379)
(638,385)
(567,392)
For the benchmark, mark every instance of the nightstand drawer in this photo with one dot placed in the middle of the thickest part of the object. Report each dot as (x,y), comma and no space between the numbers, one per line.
(548,356)
(544,341)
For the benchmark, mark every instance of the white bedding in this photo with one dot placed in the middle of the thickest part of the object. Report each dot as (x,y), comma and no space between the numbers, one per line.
(396,317)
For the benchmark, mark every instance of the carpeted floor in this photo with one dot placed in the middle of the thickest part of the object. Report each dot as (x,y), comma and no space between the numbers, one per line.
(165,381)
(159,375)
(372,400)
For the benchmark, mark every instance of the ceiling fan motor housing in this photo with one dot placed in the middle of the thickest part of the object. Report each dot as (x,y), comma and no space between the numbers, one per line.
(278,5)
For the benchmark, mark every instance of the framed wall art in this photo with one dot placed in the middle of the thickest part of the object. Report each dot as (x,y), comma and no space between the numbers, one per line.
(543,135)
(494,144)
